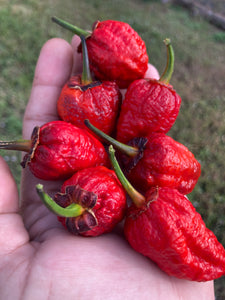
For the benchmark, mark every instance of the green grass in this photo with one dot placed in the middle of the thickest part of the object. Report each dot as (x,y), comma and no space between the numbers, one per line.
(198,78)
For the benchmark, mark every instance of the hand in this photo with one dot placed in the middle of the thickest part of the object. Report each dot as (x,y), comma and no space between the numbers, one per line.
(38,258)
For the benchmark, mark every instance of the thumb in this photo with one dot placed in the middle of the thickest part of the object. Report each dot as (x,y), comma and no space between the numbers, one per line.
(12,231)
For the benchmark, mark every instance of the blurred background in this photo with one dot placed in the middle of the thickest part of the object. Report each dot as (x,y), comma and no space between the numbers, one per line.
(199,76)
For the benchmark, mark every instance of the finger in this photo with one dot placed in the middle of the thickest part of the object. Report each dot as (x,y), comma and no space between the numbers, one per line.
(12,231)
(52,71)
(77,57)
(152,72)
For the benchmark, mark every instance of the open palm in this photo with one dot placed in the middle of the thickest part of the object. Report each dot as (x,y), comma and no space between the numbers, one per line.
(38,258)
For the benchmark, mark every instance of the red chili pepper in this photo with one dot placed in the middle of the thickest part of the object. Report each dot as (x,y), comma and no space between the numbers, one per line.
(83,98)
(116,51)
(165,162)
(164,226)
(149,105)
(91,202)
(58,149)
(156,160)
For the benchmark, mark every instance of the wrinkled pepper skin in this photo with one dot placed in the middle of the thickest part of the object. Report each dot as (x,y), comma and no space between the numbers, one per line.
(169,231)
(165,162)
(149,106)
(99,102)
(116,52)
(60,148)
(109,208)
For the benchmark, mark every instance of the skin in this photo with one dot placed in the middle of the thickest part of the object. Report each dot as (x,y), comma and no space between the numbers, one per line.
(38,258)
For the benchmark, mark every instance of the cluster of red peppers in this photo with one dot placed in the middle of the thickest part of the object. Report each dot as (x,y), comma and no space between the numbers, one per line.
(146,181)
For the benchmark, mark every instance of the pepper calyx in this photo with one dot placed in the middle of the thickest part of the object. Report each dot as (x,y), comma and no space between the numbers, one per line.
(133,151)
(84,87)
(78,195)
(75,205)
(137,142)
(34,143)
(82,223)
(87,200)
(95,25)
(152,195)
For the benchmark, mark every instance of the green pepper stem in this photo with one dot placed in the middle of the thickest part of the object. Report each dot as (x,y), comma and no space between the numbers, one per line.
(128,150)
(167,74)
(137,198)
(20,145)
(86,74)
(70,27)
(73,210)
